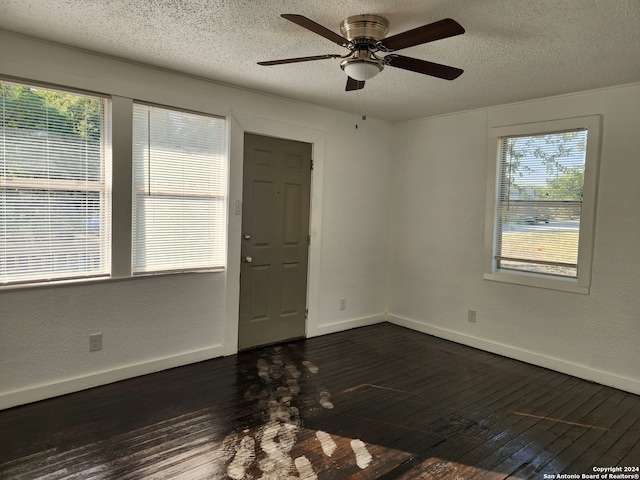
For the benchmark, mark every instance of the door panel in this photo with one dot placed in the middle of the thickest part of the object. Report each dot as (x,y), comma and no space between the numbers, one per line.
(292,215)
(260,292)
(290,288)
(275,229)
(261,215)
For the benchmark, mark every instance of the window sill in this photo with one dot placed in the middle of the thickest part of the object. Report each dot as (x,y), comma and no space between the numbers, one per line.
(538,281)
(97,280)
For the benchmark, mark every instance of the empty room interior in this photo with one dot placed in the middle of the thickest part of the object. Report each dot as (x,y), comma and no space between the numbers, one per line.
(216,268)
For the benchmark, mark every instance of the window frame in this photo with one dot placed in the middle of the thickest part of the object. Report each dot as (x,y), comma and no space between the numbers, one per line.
(158,193)
(102,187)
(581,284)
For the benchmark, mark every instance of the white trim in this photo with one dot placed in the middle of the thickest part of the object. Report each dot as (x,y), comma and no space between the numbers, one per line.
(121,190)
(83,382)
(349,324)
(550,126)
(527,356)
(537,280)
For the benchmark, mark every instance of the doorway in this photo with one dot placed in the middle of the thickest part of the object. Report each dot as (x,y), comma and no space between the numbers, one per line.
(275,240)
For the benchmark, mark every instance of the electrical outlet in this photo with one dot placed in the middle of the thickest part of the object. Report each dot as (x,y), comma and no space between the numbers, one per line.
(472,316)
(343,304)
(95,342)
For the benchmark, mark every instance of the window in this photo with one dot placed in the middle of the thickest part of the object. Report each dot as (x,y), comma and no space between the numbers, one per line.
(54,185)
(179,185)
(543,203)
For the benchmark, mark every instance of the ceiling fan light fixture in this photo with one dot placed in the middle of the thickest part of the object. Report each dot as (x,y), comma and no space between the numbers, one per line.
(361,67)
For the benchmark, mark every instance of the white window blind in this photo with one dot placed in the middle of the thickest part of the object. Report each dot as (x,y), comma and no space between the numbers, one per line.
(54,185)
(540,202)
(179,164)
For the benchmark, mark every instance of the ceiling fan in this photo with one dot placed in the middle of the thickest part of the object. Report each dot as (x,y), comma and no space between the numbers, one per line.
(364,36)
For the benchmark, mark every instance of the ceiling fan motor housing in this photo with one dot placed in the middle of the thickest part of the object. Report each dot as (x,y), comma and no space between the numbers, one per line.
(362,28)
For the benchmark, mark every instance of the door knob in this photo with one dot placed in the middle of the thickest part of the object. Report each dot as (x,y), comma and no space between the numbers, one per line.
(247,236)
(247,259)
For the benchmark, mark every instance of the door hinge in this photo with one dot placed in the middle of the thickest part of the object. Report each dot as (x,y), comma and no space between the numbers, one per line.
(308,239)
(306,313)
(311,162)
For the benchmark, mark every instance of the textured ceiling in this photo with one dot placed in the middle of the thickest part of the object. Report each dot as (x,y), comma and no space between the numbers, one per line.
(512,50)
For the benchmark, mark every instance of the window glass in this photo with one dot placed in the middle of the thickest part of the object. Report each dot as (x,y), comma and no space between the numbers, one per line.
(541,189)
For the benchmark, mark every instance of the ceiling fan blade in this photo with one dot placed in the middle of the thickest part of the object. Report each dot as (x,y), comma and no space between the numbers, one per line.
(427,33)
(298,59)
(422,66)
(354,84)
(316,28)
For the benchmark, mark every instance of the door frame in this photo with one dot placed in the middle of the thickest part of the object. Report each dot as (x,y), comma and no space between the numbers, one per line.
(240,124)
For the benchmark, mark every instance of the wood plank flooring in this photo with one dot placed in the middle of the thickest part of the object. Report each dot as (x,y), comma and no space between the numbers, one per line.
(379,402)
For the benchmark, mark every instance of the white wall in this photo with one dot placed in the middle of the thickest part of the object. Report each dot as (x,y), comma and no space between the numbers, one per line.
(154,323)
(437,232)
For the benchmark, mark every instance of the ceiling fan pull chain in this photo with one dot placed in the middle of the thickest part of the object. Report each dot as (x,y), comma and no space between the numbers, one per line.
(362,111)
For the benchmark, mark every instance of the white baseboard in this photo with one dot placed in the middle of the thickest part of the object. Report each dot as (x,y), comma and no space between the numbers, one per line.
(559,365)
(349,324)
(83,382)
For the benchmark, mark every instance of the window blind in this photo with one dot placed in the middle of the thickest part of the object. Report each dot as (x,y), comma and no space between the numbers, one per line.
(540,202)
(54,185)
(179,165)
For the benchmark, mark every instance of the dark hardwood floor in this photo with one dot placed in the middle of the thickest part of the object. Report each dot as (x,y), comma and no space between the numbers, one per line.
(379,402)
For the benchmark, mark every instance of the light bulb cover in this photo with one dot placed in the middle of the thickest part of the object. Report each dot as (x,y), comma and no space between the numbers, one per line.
(361,69)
